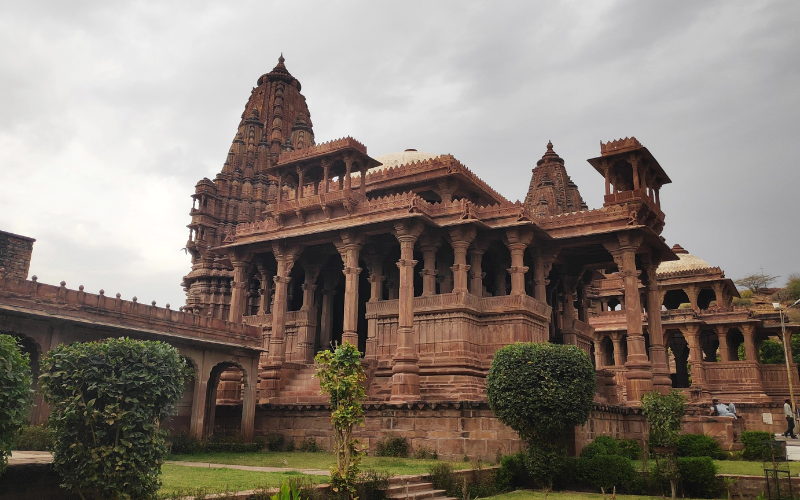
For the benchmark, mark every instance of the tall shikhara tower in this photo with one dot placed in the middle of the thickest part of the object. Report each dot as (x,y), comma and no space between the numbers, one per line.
(275,120)
(552,192)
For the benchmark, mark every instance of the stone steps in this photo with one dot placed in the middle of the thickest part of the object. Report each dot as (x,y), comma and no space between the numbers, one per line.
(414,489)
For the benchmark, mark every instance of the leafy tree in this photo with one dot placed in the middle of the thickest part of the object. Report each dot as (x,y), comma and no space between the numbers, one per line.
(663,414)
(342,377)
(756,282)
(107,401)
(771,352)
(540,391)
(15,392)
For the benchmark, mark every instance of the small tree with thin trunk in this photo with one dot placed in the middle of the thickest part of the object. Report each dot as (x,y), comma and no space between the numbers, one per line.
(663,414)
(342,377)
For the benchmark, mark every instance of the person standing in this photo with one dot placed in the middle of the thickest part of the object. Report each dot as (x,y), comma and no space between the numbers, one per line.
(787,411)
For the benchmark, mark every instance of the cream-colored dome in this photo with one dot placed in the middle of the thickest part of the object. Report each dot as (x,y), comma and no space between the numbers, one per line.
(685,262)
(402,158)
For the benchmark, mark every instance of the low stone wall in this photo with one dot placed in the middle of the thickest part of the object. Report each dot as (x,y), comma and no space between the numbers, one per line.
(452,430)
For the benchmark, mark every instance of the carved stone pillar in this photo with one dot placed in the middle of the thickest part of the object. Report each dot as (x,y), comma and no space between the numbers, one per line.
(285,257)
(460,238)
(517,241)
(265,290)
(693,291)
(639,375)
(722,336)
(326,165)
(429,245)
(658,353)
(543,263)
(475,272)
(405,363)
(349,250)
(691,333)
(238,290)
(749,334)
(326,319)
(598,354)
(720,297)
(375,268)
(617,341)
(345,183)
(306,341)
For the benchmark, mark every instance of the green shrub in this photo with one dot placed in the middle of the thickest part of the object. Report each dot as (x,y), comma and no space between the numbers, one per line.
(607,445)
(746,294)
(183,444)
(424,453)
(758,445)
(275,441)
(443,479)
(107,402)
(594,449)
(15,394)
(699,445)
(630,448)
(698,477)
(611,445)
(33,438)
(540,390)
(481,483)
(392,445)
(512,473)
(310,445)
(372,485)
(685,306)
(743,301)
(605,472)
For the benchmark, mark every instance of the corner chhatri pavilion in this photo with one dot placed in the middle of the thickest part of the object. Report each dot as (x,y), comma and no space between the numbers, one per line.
(428,270)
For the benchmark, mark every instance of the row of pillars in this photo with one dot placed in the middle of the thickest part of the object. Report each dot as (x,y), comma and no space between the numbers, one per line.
(345,181)
(405,368)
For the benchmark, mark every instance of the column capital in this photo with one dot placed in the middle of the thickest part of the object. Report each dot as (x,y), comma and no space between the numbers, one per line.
(308,286)
(281,279)
(460,267)
(406,263)
(351,270)
(518,235)
(408,231)
(517,269)
(374,278)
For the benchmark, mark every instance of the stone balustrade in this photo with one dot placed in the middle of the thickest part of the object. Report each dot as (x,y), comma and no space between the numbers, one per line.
(32,295)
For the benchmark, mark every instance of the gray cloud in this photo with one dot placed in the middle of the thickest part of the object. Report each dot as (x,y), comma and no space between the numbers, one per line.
(111,112)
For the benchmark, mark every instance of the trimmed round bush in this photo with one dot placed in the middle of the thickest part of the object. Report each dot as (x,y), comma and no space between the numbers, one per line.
(698,477)
(630,448)
(604,472)
(594,449)
(540,389)
(15,394)
(699,445)
(107,402)
(758,445)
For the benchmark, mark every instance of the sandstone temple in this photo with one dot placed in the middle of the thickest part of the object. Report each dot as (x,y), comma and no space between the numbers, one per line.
(297,245)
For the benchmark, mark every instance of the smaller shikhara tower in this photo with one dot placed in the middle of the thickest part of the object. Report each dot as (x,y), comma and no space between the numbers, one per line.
(275,120)
(552,192)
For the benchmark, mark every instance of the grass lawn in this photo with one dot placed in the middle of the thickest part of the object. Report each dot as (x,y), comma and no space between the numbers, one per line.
(564,495)
(321,460)
(741,467)
(178,478)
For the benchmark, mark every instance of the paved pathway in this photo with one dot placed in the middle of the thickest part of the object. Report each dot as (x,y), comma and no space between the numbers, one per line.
(45,457)
(314,472)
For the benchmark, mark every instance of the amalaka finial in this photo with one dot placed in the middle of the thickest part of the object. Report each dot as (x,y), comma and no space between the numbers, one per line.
(549,146)
(281,59)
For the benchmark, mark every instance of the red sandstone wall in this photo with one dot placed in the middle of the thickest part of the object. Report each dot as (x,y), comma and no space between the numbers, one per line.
(15,254)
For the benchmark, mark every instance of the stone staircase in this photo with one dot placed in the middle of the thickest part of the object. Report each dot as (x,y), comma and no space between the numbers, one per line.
(300,386)
(414,488)
(792,447)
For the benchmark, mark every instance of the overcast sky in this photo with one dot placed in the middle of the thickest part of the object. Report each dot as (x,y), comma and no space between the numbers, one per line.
(110,112)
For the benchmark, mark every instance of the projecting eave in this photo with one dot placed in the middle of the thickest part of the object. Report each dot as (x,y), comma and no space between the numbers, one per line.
(661,176)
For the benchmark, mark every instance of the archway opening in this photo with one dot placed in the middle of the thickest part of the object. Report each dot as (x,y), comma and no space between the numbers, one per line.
(223,413)
(735,341)
(608,351)
(674,298)
(614,304)
(705,298)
